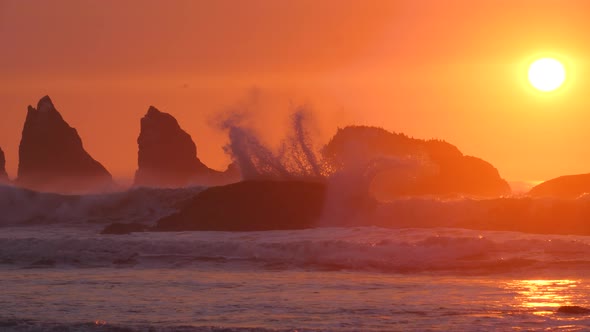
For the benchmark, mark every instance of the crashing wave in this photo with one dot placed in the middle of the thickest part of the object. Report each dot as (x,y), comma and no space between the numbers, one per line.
(358,249)
(143,205)
(296,157)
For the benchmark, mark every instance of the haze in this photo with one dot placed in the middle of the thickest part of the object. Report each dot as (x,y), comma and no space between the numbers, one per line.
(455,71)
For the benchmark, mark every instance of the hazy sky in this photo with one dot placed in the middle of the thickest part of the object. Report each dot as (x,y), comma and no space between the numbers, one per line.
(454,70)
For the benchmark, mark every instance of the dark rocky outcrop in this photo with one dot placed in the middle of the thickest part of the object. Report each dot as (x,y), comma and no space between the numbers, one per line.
(568,186)
(3,175)
(425,167)
(167,156)
(281,205)
(574,310)
(250,206)
(52,157)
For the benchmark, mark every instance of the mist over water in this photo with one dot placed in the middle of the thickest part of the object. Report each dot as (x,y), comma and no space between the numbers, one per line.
(295,158)
(298,156)
(349,177)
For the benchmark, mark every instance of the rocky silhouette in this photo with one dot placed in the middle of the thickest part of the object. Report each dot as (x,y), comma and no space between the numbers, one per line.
(426,167)
(281,205)
(574,310)
(52,157)
(568,186)
(167,156)
(251,206)
(3,175)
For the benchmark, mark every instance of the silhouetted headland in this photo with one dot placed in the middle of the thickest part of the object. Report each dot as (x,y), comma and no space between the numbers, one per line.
(250,206)
(434,167)
(567,186)
(52,157)
(167,156)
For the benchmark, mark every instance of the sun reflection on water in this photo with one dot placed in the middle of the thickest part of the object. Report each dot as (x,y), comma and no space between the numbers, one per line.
(543,297)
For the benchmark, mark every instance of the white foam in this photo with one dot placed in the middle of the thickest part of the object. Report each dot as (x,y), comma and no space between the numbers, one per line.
(364,248)
(144,205)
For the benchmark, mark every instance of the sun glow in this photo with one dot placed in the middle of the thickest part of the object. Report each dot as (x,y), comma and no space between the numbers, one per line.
(546,74)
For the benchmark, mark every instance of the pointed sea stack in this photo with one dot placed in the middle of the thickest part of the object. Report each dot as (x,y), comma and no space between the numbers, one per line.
(167,156)
(52,157)
(3,175)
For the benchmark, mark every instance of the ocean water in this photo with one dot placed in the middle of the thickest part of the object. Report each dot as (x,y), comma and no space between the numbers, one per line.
(68,277)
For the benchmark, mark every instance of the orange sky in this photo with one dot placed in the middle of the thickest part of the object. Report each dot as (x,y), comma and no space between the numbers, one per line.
(453,70)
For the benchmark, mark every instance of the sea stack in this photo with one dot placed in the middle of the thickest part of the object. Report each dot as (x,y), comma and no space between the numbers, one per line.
(52,157)
(167,156)
(3,175)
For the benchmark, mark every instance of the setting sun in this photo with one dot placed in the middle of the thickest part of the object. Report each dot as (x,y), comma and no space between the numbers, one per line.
(546,74)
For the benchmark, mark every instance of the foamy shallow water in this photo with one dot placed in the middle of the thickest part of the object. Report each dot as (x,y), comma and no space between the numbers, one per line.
(349,279)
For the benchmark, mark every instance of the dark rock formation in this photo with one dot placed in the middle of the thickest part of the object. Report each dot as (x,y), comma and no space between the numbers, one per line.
(168,156)
(574,310)
(568,186)
(3,175)
(122,229)
(52,157)
(250,206)
(424,167)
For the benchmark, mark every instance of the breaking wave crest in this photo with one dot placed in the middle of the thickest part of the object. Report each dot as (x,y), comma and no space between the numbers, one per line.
(143,205)
(296,157)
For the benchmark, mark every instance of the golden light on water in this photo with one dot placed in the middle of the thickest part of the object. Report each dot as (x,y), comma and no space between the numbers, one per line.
(543,296)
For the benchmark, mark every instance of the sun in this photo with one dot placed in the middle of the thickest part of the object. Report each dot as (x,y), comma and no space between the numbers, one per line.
(547,74)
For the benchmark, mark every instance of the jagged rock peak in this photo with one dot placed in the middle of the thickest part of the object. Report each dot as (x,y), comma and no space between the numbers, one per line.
(52,156)
(45,104)
(152,111)
(156,121)
(167,155)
